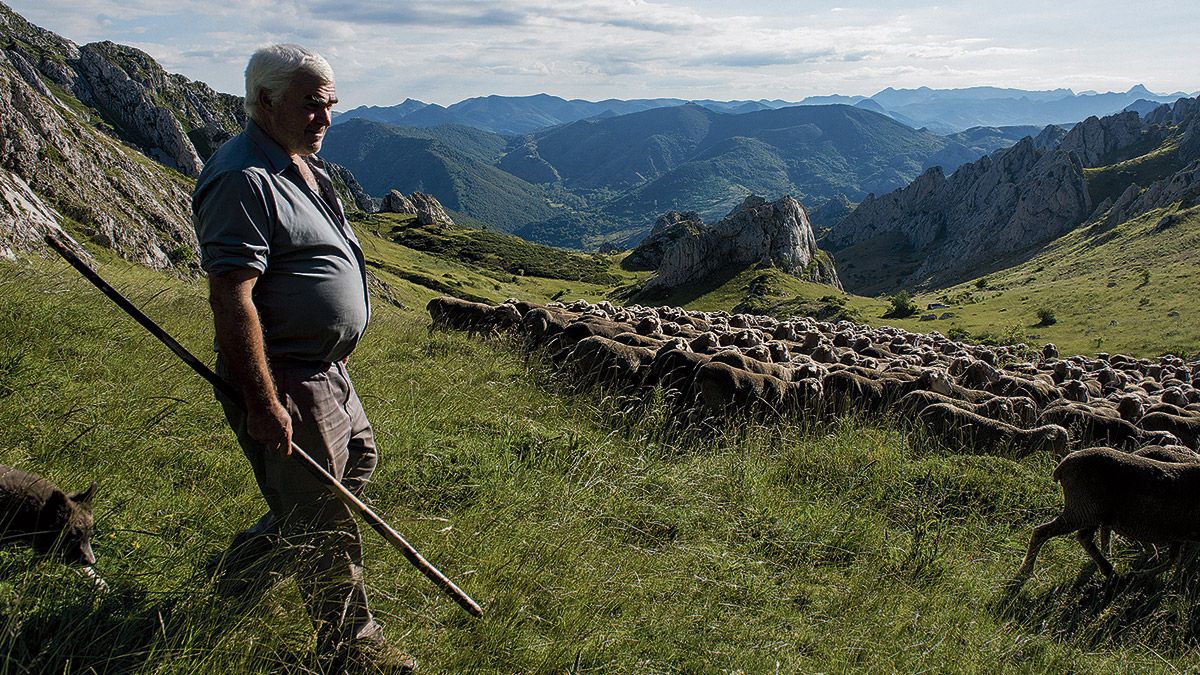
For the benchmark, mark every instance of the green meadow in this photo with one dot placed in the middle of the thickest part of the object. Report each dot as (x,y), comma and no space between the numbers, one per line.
(599,536)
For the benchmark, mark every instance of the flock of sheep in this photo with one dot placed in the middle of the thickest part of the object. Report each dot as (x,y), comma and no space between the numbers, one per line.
(1126,428)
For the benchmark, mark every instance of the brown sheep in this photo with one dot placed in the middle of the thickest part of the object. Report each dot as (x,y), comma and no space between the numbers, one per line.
(597,360)
(955,425)
(1138,498)
(638,340)
(675,369)
(723,389)
(541,324)
(449,312)
(739,360)
(1185,428)
(586,327)
(1016,411)
(1089,426)
(1041,391)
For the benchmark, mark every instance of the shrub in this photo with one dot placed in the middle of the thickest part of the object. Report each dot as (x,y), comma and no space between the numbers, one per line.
(1046,317)
(902,305)
(981,283)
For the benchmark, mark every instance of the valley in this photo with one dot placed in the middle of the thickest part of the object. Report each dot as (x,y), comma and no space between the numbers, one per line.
(934,240)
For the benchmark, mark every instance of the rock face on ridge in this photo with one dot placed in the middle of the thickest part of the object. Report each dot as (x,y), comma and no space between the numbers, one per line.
(1022,197)
(70,165)
(428,209)
(172,119)
(757,231)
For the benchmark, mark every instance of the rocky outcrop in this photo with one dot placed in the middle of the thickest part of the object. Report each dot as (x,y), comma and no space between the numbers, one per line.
(427,208)
(1095,139)
(757,231)
(24,217)
(523,161)
(1022,197)
(1183,186)
(667,231)
(995,206)
(150,107)
(117,198)
(170,118)
(348,188)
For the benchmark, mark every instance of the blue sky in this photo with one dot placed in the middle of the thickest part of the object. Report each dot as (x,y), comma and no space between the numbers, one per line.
(440,51)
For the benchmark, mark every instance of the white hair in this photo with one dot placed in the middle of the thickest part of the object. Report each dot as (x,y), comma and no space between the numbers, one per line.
(273,68)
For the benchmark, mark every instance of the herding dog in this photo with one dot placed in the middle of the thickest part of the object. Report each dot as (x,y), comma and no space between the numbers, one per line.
(34,511)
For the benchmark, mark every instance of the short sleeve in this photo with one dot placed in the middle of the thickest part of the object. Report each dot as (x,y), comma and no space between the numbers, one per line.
(233,224)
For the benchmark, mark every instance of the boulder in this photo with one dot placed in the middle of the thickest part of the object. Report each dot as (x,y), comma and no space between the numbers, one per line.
(427,208)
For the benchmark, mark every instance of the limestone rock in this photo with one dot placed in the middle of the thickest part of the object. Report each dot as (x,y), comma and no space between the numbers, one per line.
(757,231)
(1000,204)
(1094,138)
(119,199)
(24,217)
(428,209)
(668,229)
(349,189)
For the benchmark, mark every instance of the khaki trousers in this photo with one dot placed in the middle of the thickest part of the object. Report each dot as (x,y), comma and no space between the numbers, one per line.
(320,535)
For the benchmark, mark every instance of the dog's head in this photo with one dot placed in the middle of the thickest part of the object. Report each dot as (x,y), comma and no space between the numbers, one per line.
(65,527)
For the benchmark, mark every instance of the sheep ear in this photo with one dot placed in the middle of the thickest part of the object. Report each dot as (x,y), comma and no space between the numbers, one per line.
(84,498)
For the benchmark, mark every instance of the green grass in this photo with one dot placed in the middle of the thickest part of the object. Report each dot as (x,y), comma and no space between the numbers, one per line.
(1110,291)
(416,275)
(493,251)
(598,537)
(1108,182)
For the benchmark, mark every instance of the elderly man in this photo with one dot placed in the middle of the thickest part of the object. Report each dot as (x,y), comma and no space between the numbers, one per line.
(288,289)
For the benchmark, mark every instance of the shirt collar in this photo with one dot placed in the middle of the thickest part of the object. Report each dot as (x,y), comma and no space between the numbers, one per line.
(279,158)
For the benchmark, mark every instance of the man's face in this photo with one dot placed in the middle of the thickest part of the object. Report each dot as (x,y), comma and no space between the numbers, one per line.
(299,119)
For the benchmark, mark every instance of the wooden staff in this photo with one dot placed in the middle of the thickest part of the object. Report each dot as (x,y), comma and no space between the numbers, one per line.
(354,503)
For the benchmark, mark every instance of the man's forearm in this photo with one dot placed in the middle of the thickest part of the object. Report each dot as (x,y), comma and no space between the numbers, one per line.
(240,340)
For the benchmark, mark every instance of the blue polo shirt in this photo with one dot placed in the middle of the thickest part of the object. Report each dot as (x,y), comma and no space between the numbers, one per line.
(253,210)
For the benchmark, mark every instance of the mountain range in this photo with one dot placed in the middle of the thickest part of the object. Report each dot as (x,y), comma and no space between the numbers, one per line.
(943,111)
(100,138)
(607,179)
(946,227)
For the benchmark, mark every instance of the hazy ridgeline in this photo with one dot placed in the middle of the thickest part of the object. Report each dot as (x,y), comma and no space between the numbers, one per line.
(597,538)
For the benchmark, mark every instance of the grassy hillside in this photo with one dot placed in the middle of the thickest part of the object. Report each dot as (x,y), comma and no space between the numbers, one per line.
(455,164)
(1130,289)
(597,537)
(479,264)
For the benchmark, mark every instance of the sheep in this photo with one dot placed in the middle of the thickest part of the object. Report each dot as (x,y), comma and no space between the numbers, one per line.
(739,360)
(948,422)
(675,369)
(1185,428)
(1136,497)
(585,327)
(597,360)
(721,388)
(1016,411)
(474,317)
(541,324)
(1131,408)
(1093,426)
(638,340)
(1040,391)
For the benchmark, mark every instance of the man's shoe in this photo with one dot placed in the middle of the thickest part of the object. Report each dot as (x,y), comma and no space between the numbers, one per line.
(373,656)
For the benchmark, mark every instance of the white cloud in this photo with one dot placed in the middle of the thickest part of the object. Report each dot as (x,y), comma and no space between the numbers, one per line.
(443,51)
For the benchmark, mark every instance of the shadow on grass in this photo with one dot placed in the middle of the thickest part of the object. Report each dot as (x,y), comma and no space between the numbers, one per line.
(1161,612)
(54,621)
